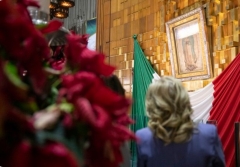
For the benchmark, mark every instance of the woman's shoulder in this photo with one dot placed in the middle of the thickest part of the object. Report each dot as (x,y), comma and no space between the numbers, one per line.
(144,132)
(206,131)
(206,127)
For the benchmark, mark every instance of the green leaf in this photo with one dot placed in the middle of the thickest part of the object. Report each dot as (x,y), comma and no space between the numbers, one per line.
(64,106)
(51,107)
(3,53)
(40,26)
(12,74)
(57,83)
(29,106)
(67,107)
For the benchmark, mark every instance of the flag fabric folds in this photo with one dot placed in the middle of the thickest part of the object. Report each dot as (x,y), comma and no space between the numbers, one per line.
(226,107)
(143,75)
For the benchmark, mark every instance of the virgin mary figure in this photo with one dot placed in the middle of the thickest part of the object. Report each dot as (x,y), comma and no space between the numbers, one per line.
(190,57)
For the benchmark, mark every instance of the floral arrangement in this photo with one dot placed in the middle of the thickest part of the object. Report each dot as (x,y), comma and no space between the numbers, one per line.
(55,110)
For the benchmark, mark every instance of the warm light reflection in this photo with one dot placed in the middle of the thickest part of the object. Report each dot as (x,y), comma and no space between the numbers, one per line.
(52,5)
(66,4)
(60,9)
(58,14)
(61,12)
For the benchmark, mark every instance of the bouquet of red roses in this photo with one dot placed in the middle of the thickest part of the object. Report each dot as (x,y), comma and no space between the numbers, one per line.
(54,108)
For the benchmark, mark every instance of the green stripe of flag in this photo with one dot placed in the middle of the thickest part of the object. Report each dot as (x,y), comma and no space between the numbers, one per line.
(142,78)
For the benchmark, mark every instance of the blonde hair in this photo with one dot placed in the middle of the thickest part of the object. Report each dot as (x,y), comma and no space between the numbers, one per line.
(169,110)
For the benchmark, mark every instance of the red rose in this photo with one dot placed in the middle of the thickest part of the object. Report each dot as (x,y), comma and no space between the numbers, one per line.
(23,42)
(58,60)
(53,154)
(87,60)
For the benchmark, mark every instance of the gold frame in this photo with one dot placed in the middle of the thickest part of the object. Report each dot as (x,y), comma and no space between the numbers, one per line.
(188,46)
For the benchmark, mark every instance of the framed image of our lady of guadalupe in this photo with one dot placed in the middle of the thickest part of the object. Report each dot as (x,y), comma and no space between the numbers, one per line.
(188,46)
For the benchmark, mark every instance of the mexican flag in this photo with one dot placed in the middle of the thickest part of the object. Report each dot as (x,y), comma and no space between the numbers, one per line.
(218,101)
